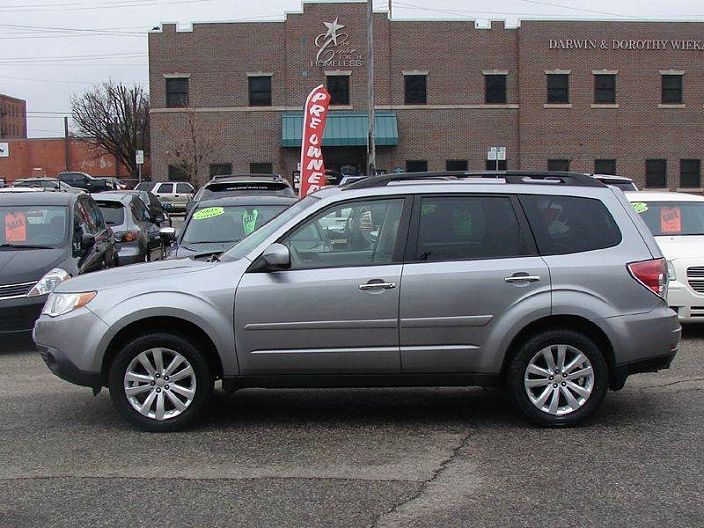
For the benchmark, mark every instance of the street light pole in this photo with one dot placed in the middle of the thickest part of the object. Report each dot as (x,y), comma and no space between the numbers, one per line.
(371,142)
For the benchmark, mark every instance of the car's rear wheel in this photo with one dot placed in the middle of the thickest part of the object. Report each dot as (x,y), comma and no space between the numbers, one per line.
(558,378)
(160,382)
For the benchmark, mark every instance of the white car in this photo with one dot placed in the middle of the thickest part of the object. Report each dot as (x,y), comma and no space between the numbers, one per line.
(677,222)
(173,195)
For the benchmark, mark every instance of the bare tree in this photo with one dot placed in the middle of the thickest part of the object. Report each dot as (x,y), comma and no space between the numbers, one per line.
(192,143)
(117,118)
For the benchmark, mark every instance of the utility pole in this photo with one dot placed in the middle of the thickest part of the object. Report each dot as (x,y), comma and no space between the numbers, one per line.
(67,147)
(371,143)
(391,9)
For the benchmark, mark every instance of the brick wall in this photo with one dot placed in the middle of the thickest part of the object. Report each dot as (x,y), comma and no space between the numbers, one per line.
(13,117)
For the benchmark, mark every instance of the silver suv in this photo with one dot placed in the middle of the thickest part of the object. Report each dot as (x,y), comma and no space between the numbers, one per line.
(547,284)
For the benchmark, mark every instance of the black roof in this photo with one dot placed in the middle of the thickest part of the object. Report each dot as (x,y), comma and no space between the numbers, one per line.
(37,198)
(250,199)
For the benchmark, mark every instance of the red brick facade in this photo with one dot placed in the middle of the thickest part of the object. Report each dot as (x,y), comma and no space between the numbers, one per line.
(13,117)
(455,123)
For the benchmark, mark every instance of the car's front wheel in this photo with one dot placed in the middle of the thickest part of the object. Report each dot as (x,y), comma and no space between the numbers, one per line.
(558,377)
(160,382)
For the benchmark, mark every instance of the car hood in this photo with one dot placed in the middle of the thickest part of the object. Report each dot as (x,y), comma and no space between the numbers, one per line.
(148,273)
(191,249)
(677,247)
(27,265)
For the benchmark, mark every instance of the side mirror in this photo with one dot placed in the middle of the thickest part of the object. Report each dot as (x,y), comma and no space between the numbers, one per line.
(168,233)
(277,257)
(87,241)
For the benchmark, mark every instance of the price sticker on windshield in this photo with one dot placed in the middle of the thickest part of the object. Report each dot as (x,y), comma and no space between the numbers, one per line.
(15,227)
(671,220)
(208,212)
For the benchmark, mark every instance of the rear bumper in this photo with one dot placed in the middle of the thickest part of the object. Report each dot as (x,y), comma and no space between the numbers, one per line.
(621,372)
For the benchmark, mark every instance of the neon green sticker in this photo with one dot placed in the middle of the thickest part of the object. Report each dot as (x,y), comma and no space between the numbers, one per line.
(208,212)
(640,207)
(249,221)
(427,209)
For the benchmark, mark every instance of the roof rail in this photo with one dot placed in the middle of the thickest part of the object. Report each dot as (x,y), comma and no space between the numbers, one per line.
(276,177)
(516,177)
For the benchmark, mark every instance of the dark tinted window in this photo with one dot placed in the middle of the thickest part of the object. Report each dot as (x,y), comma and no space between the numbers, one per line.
(656,173)
(339,88)
(145,186)
(494,89)
(672,89)
(569,224)
(176,92)
(605,89)
(416,166)
(177,174)
(456,165)
(672,218)
(558,165)
(261,168)
(416,89)
(183,188)
(465,228)
(113,213)
(220,169)
(690,173)
(495,165)
(260,91)
(605,166)
(558,88)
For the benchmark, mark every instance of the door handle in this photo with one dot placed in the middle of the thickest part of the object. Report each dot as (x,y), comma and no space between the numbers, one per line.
(522,278)
(375,285)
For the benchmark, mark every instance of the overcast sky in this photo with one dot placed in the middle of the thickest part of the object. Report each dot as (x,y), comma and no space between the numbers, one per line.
(50,49)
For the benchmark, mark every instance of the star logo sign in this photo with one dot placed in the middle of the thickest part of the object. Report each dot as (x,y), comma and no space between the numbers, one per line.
(332,30)
(328,41)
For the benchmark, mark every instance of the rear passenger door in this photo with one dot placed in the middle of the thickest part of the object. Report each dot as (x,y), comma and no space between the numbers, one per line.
(471,267)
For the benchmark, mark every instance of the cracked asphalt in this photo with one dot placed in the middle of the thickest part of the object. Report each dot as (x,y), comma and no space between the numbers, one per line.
(353,458)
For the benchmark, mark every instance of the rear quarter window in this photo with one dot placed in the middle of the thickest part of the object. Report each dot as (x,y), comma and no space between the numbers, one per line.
(570,224)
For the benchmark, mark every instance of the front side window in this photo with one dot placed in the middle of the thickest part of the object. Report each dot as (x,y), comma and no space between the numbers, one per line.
(495,89)
(570,224)
(468,228)
(416,89)
(339,88)
(672,218)
(352,234)
(656,173)
(183,188)
(672,89)
(260,91)
(165,188)
(177,92)
(558,88)
(604,89)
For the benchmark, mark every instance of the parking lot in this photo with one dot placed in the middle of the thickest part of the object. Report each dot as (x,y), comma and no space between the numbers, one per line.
(380,457)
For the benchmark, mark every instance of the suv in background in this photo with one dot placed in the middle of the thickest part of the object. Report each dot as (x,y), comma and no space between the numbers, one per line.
(545,283)
(243,185)
(84,181)
(173,195)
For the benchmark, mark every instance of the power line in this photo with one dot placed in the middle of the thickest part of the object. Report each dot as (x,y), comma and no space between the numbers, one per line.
(65,29)
(116,5)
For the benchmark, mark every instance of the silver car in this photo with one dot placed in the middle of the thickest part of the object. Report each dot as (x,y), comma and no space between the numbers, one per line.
(546,284)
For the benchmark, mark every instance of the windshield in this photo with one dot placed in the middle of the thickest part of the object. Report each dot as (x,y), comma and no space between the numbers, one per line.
(227,223)
(33,226)
(672,218)
(253,240)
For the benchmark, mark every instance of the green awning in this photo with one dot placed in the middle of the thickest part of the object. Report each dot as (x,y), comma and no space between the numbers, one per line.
(343,129)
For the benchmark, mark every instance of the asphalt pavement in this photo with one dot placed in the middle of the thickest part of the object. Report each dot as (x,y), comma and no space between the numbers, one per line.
(353,458)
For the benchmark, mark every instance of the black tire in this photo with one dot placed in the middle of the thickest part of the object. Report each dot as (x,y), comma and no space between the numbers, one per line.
(528,350)
(185,347)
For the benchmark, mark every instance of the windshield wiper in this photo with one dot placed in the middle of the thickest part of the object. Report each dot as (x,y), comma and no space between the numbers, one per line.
(24,246)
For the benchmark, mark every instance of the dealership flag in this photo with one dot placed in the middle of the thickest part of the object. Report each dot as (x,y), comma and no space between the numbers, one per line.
(312,165)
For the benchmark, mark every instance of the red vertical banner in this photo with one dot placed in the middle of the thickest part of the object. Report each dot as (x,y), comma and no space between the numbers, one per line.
(314,117)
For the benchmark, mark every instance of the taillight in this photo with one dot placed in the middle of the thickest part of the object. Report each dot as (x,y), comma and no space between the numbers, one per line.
(651,273)
(127,236)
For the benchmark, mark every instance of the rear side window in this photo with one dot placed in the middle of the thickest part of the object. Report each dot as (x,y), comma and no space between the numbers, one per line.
(570,224)
(468,228)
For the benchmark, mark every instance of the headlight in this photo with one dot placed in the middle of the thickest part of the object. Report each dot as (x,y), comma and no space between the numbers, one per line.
(63,303)
(671,271)
(48,282)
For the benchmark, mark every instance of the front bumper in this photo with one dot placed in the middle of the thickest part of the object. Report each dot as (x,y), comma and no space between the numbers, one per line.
(17,316)
(62,367)
(688,304)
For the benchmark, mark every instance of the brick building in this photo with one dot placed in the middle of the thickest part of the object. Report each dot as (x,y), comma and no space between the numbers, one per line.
(13,117)
(613,97)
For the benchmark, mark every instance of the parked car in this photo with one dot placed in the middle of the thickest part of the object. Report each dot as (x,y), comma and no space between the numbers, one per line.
(84,181)
(45,238)
(244,184)
(115,184)
(677,222)
(554,289)
(623,183)
(173,195)
(144,186)
(137,235)
(156,210)
(218,224)
(47,184)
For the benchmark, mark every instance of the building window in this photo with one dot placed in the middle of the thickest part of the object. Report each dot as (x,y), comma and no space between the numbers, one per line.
(495,89)
(416,89)
(690,173)
(605,166)
(261,168)
(176,92)
(604,89)
(220,169)
(178,174)
(339,88)
(456,165)
(672,89)
(558,88)
(558,165)
(260,90)
(656,173)
(416,165)
(495,165)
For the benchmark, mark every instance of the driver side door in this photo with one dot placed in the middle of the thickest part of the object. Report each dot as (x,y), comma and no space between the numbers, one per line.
(335,310)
